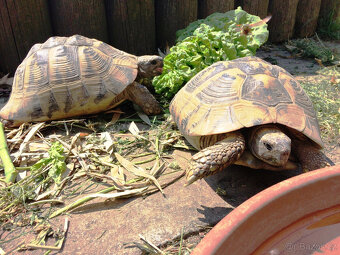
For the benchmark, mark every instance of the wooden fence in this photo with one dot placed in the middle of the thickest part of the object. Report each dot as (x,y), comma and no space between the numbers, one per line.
(138,26)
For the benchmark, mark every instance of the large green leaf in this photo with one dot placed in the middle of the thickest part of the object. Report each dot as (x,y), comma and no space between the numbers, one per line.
(206,41)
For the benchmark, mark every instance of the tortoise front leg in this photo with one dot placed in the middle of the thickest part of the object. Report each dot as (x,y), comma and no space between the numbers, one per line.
(140,95)
(216,157)
(310,157)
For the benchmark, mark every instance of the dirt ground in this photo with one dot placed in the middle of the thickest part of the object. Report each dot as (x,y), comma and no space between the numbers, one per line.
(113,226)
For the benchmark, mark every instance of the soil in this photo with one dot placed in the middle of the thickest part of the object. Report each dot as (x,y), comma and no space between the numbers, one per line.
(113,226)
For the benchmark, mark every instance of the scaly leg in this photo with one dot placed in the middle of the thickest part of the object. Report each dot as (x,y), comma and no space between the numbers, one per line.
(310,157)
(140,95)
(216,157)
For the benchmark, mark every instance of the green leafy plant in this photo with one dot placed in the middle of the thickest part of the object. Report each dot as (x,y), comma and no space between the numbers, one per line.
(311,48)
(206,41)
(56,160)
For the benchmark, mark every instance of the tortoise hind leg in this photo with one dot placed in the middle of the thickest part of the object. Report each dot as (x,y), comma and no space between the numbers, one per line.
(216,157)
(140,95)
(310,157)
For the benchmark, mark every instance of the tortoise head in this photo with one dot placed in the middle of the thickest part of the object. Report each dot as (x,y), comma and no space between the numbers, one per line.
(270,144)
(149,66)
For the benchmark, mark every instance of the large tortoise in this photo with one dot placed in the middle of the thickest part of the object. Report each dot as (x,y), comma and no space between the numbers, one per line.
(72,76)
(247,112)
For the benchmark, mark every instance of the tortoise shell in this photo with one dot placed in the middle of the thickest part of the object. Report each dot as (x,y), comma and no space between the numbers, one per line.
(244,92)
(68,76)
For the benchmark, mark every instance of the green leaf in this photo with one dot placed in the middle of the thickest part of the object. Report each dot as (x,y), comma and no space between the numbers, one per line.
(57,161)
(204,42)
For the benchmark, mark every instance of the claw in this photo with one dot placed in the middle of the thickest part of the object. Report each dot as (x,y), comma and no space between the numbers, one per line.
(191,179)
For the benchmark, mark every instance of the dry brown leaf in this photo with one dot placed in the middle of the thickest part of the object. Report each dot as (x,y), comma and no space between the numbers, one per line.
(138,171)
(118,174)
(108,142)
(134,129)
(157,171)
(144,117)
(126,193)
(115,118)
(34,129)
(38,146)
(44,195)
(319,62)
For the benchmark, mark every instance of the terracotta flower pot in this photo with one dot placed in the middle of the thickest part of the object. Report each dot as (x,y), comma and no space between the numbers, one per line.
(300,215)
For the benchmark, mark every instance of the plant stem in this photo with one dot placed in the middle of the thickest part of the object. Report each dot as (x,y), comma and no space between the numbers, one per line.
(10,171)
(79,202)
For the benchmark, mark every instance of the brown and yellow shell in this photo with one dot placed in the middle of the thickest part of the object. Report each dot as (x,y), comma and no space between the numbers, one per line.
(68,76)
(245,92)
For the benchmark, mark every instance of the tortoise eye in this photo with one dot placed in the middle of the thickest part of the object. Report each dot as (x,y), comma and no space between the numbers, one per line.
(268,146)
(153,62)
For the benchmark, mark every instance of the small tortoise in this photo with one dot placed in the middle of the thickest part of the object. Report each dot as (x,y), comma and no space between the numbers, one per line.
(247,112)
(72,76)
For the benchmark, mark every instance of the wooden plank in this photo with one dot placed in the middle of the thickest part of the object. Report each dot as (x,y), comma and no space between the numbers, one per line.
(172,15)
(281,25)
(255,7)
(84,17)
(8,50)
(207,7)
(329,7)
(30,23)
(131,25)
(307,17)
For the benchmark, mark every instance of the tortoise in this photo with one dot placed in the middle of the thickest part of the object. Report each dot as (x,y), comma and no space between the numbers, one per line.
(247,112)
(71,76)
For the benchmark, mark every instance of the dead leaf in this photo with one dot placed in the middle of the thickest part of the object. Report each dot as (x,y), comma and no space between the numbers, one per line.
(319,62)
(118,174)
(141,114)
(126,193)
(115,117)
(134,129)
(144,117)
(138,171)
(34,129)
(108,142)
(38,146)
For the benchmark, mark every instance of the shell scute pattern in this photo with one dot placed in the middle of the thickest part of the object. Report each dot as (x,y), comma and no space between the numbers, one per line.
(101,94)
(71,76)
(264,89)
(250,68)
(18,81)
(301,98)
(68,101)
(37,111)
(78,40)
(216,90)
(93,62)
(246,92)
(205,74)
(52,105)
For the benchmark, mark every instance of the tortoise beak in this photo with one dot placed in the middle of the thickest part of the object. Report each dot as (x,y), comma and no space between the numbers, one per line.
(159,70)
